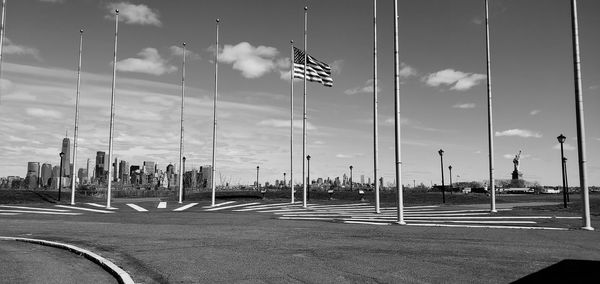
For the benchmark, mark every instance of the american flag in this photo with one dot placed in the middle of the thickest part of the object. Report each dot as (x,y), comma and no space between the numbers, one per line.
(316,71)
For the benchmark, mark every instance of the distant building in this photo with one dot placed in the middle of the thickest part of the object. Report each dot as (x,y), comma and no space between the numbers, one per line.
(31,178)
(135,175)
(83,176)
(149,168)
(205,176)
(124,172)
(66,159)
(362,179)
(100,166)
(46,175)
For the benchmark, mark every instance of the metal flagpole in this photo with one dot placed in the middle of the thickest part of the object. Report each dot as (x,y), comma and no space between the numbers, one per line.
(490,123)
(75,133)
(304,117)
(375,133)
(214,142)
(397,144)
(181,172)
(2,27)
(112,112)
(585,210)
(292,120)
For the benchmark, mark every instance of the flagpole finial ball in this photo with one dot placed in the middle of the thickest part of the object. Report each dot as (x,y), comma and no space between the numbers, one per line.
(81,31)
(305,8)
(218,20)
(117,11)
(184,44)
(291,41)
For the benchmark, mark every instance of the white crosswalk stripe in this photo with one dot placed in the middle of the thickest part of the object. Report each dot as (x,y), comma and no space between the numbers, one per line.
(84,209)
(184,207)
(364,213)
(137,207)
(162,205)
(219,204)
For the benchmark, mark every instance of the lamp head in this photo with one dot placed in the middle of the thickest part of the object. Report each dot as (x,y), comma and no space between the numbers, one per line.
(441,152)
(561,138)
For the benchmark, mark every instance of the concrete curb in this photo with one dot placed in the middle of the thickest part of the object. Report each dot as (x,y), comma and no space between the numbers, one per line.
(117,272)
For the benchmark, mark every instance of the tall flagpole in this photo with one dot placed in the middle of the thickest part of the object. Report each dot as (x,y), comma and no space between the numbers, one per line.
(112,113)
(181,173)
(375,102)
(75,133)
(214,142)
(490,122)
(397,144)
(2,27)
(292,119)
(304,117)
(585,208)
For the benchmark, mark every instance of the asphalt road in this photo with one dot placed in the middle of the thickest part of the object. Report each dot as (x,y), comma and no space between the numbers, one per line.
(248,247)
(33,263)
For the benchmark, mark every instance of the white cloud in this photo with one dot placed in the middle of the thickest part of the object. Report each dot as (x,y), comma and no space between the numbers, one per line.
(282,123)
(252,61)
(512,156)
(178,51)
(336,66)
(458,80)
(366,88)
(407,71)
(566,146)
(534,112)
(343,156)
(519,132)
(13,48)
(134,14)
(44,113)
(464,106)
(477,21)
(149,63)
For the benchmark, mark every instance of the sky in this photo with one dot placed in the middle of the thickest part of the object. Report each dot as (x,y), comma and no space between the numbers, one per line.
(443,86)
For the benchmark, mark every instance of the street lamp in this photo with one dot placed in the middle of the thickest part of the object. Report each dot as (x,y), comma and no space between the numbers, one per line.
(257,184)
(308,176)
(284,184)
(60,175)
(183,177)
(351,167)
(561,139)
(450,168)
(441,152)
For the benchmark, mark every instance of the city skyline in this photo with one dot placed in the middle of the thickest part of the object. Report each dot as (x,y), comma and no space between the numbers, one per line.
(443,69)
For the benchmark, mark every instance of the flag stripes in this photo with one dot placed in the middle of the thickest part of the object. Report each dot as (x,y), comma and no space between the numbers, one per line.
(316,71)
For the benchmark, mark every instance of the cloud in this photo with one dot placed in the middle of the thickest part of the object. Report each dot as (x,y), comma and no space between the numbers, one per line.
(149,63)
(407,71)
(43,113)
(519,132)
(282,123)
(13,48)
(252,61)
(336,66)
(458,80)
(367,88)
(343,156)
(477,21)
(134,14)
(464,106)
(566,146)
(178,51)
(534,112)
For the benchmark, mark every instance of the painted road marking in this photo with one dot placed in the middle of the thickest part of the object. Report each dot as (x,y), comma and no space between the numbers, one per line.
(305,218)
(231,206)
(184,207)
(368,223)
(162,205)
(84,209)
(9,213)
(219,204)
(39,212)
(34,208)
(101,206)
(489,227)
(136,207)
(268,206)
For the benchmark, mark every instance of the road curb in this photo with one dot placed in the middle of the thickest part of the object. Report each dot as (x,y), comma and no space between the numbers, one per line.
(117,272)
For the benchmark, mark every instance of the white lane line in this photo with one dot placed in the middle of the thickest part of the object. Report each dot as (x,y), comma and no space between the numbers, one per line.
(481,217)
(184,207)
(231,206)
(422,206)
(101,206)
(40,212)
(367,223)
(445,214)
(315,215)
(300,209)
(219,204)
(477,222)
(558,217)
(340,205)
(272,205)
(289,207)
(84,209)
(9,213)
(162,205)
(34,208)
(137,208)
(304,218)
(489,227)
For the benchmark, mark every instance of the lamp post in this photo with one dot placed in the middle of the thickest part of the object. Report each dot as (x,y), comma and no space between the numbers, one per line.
(284,184)
(351,167)
(60,175)
(441,152)
(566,178)
(257,184)
(308,177)
(450,168)
(561,139)
(183,177)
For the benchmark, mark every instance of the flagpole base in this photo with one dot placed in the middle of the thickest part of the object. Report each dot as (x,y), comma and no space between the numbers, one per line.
(400,223)
(587,228)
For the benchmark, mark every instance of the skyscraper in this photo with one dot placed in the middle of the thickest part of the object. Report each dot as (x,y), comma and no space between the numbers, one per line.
(66,159)
(149,167)
(46,175)
(31,178)
(99,172)
(124,172)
